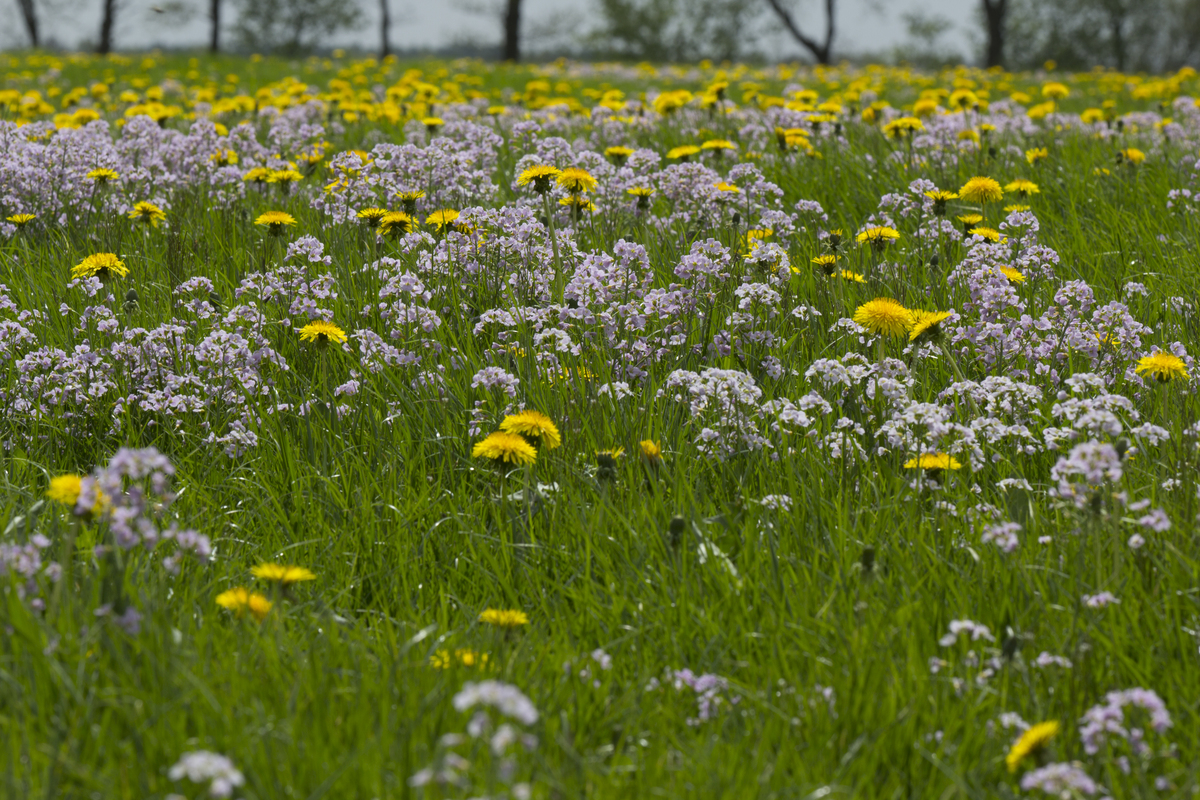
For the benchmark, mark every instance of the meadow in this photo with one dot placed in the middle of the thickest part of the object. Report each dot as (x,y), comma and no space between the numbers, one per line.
(429,430)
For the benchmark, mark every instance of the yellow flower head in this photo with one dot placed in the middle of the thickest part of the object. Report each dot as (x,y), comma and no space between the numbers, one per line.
(683,152)
(540,176)
(903,127)
(432,123)
(281,574)
(1055,90)
(21,220)
(933,462)
(442,218)
(275,222)
(102,176)
(1163,367)
(651,451)
(878,237)
(981,190)
(257,175)
(618,153)
(533,425)
(506,448)
(1030,742)
(576,180)
(940,198)
(1036,154)
(322,332)
(827,264)
(883,316)
(927,325)
(462,657)
(718,144)
(65,489)
(725,187)
(239,600)
(1131,155)
(1014,276)
(394,223)
(504,618)
(991,234)
(969,220)
(852,277)
(284,176)
(1022,187)
(147,213)
(100,265)
(577,203)
(372,216)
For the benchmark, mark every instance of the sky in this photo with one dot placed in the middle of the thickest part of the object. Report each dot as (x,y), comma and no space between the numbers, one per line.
(862,25)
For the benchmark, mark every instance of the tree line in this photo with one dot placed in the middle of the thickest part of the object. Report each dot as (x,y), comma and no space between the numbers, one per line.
(1127,35)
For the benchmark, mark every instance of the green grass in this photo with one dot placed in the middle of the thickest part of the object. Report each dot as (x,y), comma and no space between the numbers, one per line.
(333,696)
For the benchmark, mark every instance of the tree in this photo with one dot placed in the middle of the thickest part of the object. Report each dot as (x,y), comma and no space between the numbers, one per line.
(675,30)
(29,15)
(292,27)
(385,22)
(821,51)
(214,25)
(512,31)
(995,14)
(107,18)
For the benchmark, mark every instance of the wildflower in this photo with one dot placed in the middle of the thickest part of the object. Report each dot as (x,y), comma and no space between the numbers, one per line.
(462,657)
(1036,154)
(991,234)
(643,194)
(878,237)
(508,448)
(224,158)
(65,489)
(1131,155)
(718,145)
(576,180)
(102,176)
(833,239)
(540,176)
(275,222)
(257,175)
(933,462)
(683,152)
(1009,209)
(969,221)
(1014,276)
(927,325)
(322,332)
(903,127)
(1022,187)
(100,265)
(981,190)
(432,124)
(826,263)
(409,200)
(533,425)
(618,153)
(21,220)
(281,574)
(1060,780)
(1163,367)
(651,451)
(940,198)
(202,766)
(372,216)
(852,277)
(1055,90)
(883,316)
(577,203)
(726,188)
(505,698)
(147,213)
(394,223)
(441,219)
(504,618)
(284,176)
(1031,741)
(239,600)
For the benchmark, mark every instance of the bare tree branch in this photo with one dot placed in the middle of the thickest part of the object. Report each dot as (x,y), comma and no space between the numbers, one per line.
(821,51)
(29,15)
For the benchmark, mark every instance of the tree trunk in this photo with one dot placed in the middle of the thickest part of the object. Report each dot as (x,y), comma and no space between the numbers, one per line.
(995,13)
(214,19)
(385,22)
(29,14)
(512,31)
(821,51)
(1117,21)
(106,27)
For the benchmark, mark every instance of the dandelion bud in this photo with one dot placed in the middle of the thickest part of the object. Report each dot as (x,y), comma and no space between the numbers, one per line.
(867,560)
(675,531)
(1122,447)
(131,299)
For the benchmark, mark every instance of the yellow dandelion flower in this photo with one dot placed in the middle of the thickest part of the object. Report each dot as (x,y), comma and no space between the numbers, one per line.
(991,234)
(927,325)
(1014,276)
(576,180)
(1055,90)
(322,332)
(1029,743)
(533,425)
(1015,207)
(933,462)
(1163,367)
(726,188)
(239,600)
(981,189)
(1036,154)
(257,175)
(1022,187)
(827,264)
(878,237)
(461,657)
(577,203)
(883,316)
(21,220)
(540,176)
(100,265)
(507,448)
(852,277)
(442,218)
(394,223)
(284,176)
(102,176)
(432,123)
(275,222)
(651,451)
(147,213)
(504,618)
(285,575)
(940,198)
(903,127)
(718,144)
(372,216)
(683,152)
(1131,155)
(65,489)
(618,153)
